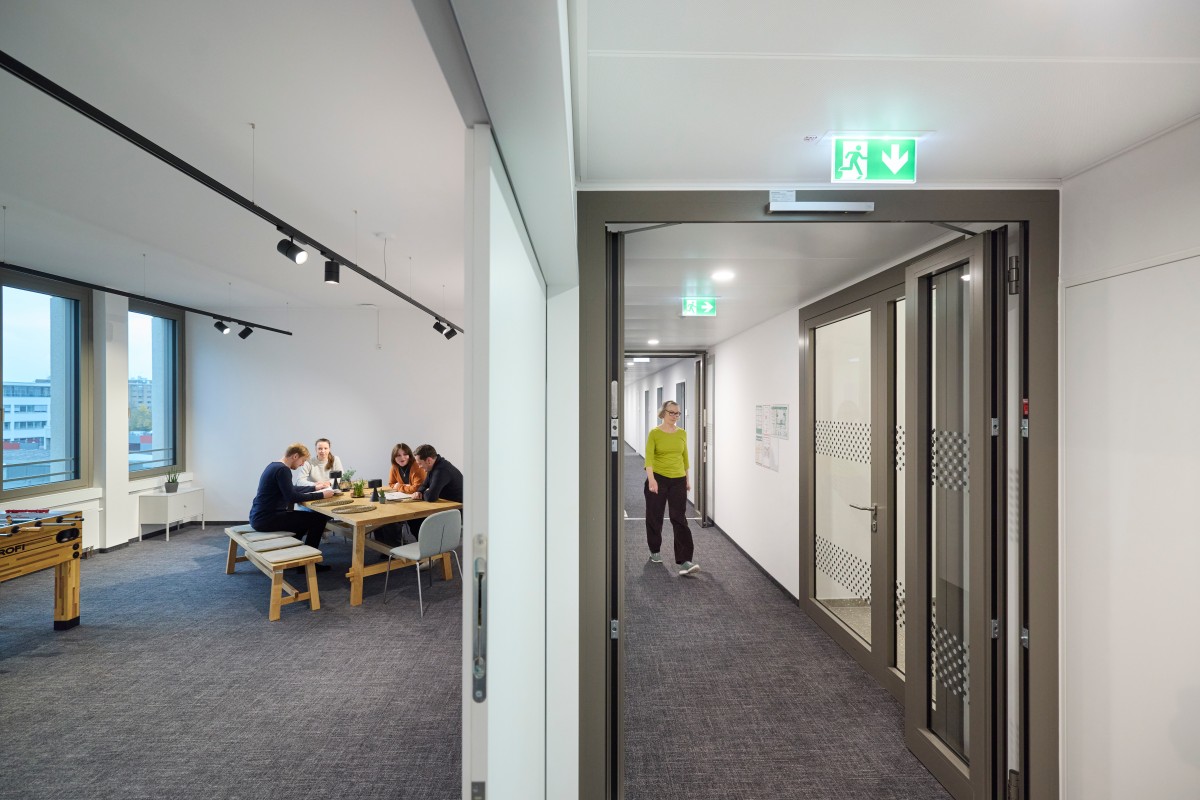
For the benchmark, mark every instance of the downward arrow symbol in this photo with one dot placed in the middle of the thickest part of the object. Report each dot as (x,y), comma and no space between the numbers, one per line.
(895,161)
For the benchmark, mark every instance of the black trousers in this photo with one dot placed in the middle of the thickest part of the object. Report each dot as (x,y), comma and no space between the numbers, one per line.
(302,523)
(672,492)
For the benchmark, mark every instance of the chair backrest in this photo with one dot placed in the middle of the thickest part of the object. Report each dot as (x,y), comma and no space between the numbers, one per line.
(440,533)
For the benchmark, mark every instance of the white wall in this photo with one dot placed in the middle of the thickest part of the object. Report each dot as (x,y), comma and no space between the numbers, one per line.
(248,399)
(1130,467)
(562,549)
(756,506)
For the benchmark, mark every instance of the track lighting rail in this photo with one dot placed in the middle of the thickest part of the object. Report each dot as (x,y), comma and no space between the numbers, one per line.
(96,287)
(78,104)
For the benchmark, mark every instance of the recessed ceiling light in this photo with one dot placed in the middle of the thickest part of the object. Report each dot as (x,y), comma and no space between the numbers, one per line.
(629,363)
(723,275)
(967,277)
(652,341)
(642,360)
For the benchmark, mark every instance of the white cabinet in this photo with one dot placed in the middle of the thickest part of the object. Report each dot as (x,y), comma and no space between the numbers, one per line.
(163,508)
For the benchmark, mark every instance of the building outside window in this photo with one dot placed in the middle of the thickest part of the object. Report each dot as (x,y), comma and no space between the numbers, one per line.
(155,396)
(44,335)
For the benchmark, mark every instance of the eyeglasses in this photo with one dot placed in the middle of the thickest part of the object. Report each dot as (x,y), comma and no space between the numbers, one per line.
(673,413)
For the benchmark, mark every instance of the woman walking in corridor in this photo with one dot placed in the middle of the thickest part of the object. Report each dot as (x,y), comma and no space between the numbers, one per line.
(667,484)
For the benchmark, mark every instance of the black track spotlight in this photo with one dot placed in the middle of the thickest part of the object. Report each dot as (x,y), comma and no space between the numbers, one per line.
(450,333)
(245,332)
(221,326)
(292,250)
(438,326)
(332,272)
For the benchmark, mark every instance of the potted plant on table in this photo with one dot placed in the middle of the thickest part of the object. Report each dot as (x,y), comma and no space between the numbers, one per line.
(345,483)
(359,489)
(172,483)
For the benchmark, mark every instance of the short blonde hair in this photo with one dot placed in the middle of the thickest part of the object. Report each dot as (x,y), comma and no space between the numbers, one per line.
(296,449)
(662,412)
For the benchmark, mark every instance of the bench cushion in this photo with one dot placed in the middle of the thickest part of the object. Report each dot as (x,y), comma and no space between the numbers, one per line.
(278,543)
(287,554)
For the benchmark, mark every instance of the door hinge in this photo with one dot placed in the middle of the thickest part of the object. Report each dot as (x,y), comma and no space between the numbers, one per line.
(995,426)
(995,629)
(1025,638)
(478,790)
(1014,274)
(613,628)
(1014,785)
(1025,428)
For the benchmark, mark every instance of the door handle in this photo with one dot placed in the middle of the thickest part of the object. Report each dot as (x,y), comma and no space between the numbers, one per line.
(874,509)
(479,637)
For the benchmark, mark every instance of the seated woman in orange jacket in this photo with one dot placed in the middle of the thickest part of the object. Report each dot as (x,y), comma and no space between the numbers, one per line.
(406,474)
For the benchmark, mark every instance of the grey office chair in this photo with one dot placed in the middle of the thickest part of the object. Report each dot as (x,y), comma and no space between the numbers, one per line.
(440,533)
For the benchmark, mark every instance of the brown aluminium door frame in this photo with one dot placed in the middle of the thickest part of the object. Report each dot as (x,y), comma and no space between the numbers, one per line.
(1038,207)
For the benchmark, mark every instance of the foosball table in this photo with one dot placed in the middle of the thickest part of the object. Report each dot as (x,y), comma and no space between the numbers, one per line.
(29,545)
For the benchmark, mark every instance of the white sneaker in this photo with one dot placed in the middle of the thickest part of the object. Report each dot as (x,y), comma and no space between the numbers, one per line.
(655,558)
(688,568)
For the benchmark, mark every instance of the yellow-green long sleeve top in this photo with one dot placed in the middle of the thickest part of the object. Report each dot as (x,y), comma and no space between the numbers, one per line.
(666,453)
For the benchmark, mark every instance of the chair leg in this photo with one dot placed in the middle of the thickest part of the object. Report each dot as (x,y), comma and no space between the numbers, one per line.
(387,575)
(420,598)
(460,572)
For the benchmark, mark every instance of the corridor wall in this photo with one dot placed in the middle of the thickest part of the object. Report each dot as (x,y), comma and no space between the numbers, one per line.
(1130,467)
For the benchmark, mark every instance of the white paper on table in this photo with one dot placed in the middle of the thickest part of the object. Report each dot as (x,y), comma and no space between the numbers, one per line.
(398,496)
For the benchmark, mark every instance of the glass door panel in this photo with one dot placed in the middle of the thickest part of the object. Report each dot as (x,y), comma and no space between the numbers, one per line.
(842,461)
(949,512)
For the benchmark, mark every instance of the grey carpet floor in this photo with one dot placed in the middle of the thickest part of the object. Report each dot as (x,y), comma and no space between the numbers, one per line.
(176,685)
(732,692)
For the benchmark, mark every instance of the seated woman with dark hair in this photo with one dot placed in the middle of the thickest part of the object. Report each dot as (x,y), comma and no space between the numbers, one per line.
(406,474)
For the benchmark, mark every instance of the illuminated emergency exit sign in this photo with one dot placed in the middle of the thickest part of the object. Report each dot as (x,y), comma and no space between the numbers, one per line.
(874,160)
(699,306)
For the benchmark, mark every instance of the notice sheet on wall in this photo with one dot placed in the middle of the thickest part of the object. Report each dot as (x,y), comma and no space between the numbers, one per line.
(770,426)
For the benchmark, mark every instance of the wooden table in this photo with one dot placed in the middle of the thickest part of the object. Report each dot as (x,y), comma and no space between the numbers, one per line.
(367,521)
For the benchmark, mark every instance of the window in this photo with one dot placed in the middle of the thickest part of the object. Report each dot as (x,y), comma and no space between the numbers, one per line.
(45,335)
(155,398)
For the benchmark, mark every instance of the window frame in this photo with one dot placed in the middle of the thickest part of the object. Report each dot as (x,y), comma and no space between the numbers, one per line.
(84,379)
(138,306)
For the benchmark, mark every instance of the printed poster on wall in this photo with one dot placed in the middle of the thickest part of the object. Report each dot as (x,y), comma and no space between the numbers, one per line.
(770,425)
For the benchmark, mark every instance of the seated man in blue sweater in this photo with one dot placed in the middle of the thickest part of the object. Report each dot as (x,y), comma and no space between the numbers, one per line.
(272,507)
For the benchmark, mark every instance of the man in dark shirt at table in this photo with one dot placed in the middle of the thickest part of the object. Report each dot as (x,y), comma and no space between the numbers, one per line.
(272,507)
(443,480)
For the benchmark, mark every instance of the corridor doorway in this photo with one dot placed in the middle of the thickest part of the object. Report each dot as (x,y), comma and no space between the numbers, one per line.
(647,212)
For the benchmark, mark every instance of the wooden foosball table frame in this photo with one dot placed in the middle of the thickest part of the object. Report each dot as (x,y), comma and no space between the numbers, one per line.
(35,544)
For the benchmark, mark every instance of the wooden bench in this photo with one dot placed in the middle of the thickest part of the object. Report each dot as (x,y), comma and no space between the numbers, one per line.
(273,552)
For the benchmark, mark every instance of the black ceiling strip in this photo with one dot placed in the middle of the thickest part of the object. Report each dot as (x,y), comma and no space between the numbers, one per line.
(44,84)
(96,287)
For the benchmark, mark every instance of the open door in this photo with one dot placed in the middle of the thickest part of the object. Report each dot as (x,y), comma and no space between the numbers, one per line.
(953,515)
(504,542)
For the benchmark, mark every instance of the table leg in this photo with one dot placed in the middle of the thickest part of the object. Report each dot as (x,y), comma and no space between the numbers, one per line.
(66,594)
(168,530)
(357,558)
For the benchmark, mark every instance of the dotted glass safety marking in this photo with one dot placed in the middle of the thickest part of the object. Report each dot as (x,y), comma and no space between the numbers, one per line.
(950,662)
(900,603)
(899,448)
(948,460)
(849,441)
(848,570)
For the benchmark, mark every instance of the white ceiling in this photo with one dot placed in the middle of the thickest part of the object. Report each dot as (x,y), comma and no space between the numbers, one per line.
(351,113)
(1024,92)
(777,266)
(694,94)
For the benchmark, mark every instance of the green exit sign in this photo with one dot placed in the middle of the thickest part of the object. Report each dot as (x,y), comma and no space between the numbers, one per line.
(699,306)
(874,160)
